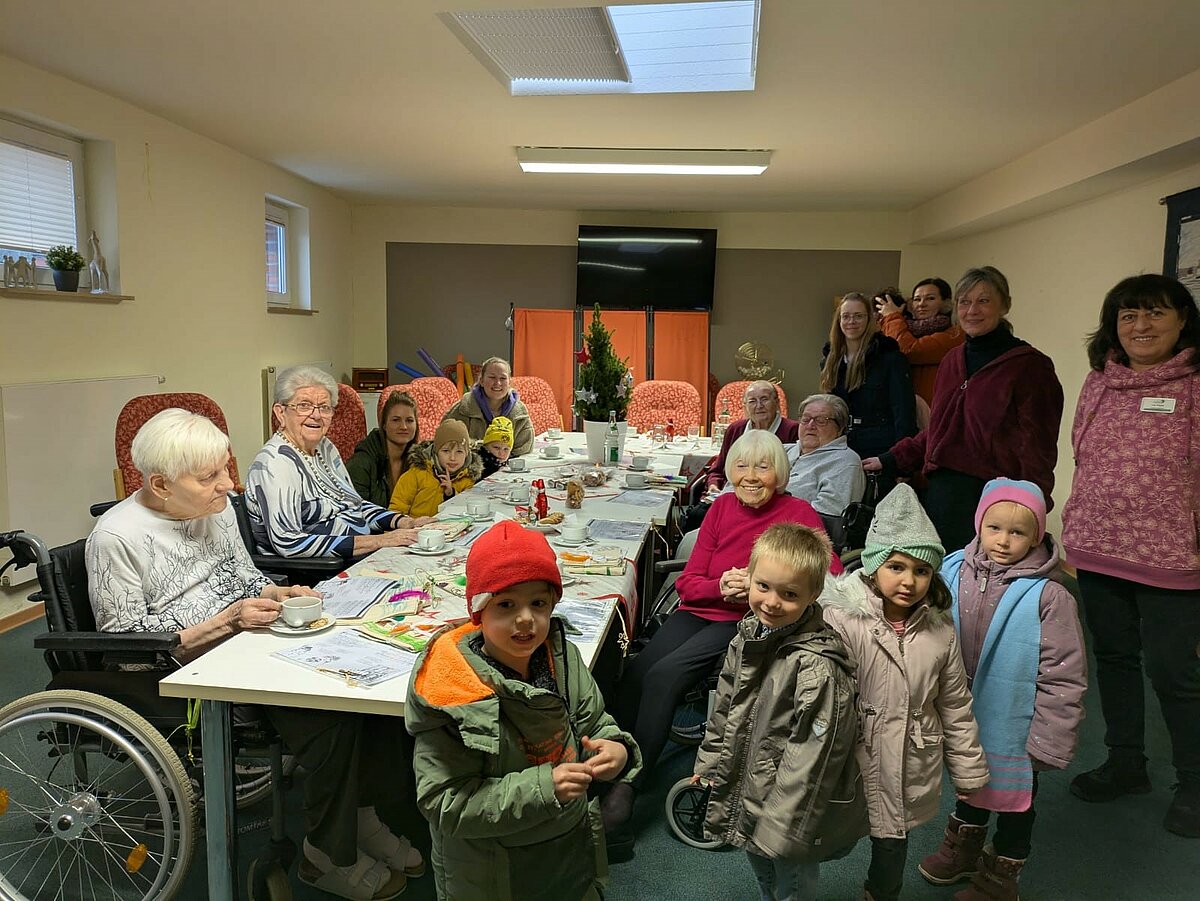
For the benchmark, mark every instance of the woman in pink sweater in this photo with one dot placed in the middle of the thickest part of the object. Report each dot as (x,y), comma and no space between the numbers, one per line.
(713,591)
(1132,529)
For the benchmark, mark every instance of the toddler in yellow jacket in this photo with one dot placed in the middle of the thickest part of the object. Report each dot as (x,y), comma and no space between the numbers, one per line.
(440,469)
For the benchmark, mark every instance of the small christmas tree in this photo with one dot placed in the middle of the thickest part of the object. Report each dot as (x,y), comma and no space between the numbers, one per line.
(602,379)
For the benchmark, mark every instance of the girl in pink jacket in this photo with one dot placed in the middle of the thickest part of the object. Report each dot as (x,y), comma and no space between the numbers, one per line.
(1022,648)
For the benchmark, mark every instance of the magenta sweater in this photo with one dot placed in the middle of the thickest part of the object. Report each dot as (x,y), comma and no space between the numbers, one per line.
(1134,510)
(726,537)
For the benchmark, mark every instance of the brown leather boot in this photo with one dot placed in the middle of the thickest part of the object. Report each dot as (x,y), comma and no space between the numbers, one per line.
(956,859)
(996,880)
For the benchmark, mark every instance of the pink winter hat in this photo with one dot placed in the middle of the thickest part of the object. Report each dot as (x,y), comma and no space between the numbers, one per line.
(1016,491)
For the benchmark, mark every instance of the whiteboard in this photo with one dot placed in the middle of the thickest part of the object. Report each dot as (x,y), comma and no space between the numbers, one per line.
(59,455)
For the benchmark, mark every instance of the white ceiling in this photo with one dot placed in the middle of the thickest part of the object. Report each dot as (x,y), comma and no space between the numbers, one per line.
(868,104)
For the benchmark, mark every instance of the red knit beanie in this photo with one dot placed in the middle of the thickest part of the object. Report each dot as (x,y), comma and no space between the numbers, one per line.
(506,555)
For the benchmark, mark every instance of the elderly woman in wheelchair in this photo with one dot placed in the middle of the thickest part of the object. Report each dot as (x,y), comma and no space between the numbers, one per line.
(824,470)
(713,591)
(170,558)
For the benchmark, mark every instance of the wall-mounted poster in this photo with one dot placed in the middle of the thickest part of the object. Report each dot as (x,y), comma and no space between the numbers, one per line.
(1181,254)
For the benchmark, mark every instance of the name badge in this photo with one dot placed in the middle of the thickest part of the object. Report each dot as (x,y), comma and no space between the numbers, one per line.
(1158,405)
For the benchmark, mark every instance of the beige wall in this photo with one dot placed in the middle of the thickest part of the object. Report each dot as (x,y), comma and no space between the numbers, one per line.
(1059,267)
(190,236)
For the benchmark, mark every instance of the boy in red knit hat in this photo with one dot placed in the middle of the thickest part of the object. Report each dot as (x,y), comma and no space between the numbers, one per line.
(510,732)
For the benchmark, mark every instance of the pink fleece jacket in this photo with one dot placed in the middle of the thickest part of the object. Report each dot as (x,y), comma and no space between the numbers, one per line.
(1134,510)
(726,537)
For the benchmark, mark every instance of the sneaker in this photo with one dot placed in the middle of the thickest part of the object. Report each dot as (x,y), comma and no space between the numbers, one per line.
(1117,776)
(1183,816)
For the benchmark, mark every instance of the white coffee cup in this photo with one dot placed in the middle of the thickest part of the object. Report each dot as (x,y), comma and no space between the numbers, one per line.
(300,611)
(478,508)
(516,464)
(635,479)
(641,461)
(431,539)
(518,494)
(554,433)
(573,532)
(552,451)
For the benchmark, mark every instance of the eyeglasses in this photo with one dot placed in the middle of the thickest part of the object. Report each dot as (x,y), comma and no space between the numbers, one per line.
(758,401)
(854,317)
(304,408)
(821,421)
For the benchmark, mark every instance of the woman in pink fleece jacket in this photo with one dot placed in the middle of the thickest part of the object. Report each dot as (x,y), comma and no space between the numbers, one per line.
(1132,528)
(714,596)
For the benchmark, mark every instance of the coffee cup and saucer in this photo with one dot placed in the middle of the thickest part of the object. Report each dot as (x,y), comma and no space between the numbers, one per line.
(572,535)
(640,463)
(301,615)
(551,452)
(430,543)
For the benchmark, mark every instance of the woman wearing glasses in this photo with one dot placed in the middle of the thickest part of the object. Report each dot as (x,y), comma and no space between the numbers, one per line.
(299,495)
(866,369)
(825,472)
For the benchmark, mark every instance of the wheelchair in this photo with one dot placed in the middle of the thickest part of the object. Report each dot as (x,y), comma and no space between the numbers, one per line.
(686,802)
(100,789)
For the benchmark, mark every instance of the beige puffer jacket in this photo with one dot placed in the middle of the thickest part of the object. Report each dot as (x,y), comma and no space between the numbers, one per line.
(914,707)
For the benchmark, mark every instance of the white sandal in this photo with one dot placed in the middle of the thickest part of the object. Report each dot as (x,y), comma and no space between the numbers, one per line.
(395,851)
(366,880)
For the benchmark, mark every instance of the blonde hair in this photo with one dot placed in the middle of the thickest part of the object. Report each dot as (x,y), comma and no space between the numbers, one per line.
(856,369)
(489,362)
(175,442)
(804,551)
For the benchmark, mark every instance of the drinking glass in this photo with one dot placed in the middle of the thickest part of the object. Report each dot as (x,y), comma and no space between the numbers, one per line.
(694,434)
(718,434)
(660,435)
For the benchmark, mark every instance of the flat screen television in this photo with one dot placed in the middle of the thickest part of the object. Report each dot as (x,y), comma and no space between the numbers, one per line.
(624,267)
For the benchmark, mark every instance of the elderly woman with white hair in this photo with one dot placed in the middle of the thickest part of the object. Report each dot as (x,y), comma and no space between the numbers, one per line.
(299,495)
(169,558)
(490,397)
(824,471)
(714,596)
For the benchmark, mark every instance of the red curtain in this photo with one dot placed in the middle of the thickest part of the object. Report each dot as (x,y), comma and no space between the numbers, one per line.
(542,345)
(681,350)
(628,329)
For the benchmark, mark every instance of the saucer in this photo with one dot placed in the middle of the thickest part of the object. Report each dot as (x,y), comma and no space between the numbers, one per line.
(633,468)
(281,628)
(422,552)
(568,542)
(548,457)
(524,502)
(553,438)
(637,487)
(545,529)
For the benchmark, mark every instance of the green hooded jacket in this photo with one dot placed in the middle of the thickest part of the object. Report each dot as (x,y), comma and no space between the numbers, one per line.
(485,747)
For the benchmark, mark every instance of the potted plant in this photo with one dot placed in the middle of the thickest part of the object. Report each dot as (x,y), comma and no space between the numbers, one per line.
(66,262)
(604,383)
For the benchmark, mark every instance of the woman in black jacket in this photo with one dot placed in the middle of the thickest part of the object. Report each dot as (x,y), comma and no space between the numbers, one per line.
(867,370)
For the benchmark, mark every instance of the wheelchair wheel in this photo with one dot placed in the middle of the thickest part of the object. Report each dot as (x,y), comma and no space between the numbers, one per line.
(94,804)
(686,804)
(271,884)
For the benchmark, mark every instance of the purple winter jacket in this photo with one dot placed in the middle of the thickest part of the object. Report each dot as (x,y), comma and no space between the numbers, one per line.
(1134,510)
(1062,661)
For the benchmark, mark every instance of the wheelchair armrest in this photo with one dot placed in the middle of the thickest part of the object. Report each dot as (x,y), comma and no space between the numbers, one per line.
(102,507)
(669,566)
(325,567)
(108,642)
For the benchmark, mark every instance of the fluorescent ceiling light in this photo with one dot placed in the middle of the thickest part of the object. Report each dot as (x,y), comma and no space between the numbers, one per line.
(602,161)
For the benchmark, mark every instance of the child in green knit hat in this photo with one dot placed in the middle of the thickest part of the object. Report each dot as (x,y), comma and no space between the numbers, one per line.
(913,697)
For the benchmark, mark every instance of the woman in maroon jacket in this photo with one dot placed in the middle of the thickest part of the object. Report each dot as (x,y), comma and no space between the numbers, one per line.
(997,405)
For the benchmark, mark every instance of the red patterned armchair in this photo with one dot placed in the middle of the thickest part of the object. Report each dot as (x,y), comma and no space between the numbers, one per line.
(537,395)
(735,392)
(349,425)
(126,478)
(657,401)
(434,396)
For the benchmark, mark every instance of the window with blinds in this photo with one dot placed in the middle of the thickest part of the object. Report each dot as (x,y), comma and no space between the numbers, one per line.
(276,223)
(40,190)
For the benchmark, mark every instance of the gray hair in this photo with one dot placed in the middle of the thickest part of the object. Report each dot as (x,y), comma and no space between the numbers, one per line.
(175,442)
(841,412)
(294,378)
(758,446)
(990,275)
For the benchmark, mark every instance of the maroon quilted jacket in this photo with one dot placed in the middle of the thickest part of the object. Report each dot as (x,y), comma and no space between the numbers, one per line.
(1002,421)
(1134,510)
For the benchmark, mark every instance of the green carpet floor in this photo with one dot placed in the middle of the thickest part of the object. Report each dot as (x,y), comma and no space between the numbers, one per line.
(1117,852)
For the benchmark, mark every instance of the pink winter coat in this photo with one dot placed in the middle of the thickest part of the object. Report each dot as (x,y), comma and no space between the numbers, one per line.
(1062,661)
(1134,510)
(914,707)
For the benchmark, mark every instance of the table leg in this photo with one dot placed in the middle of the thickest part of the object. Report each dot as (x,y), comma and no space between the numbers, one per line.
(220,811)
